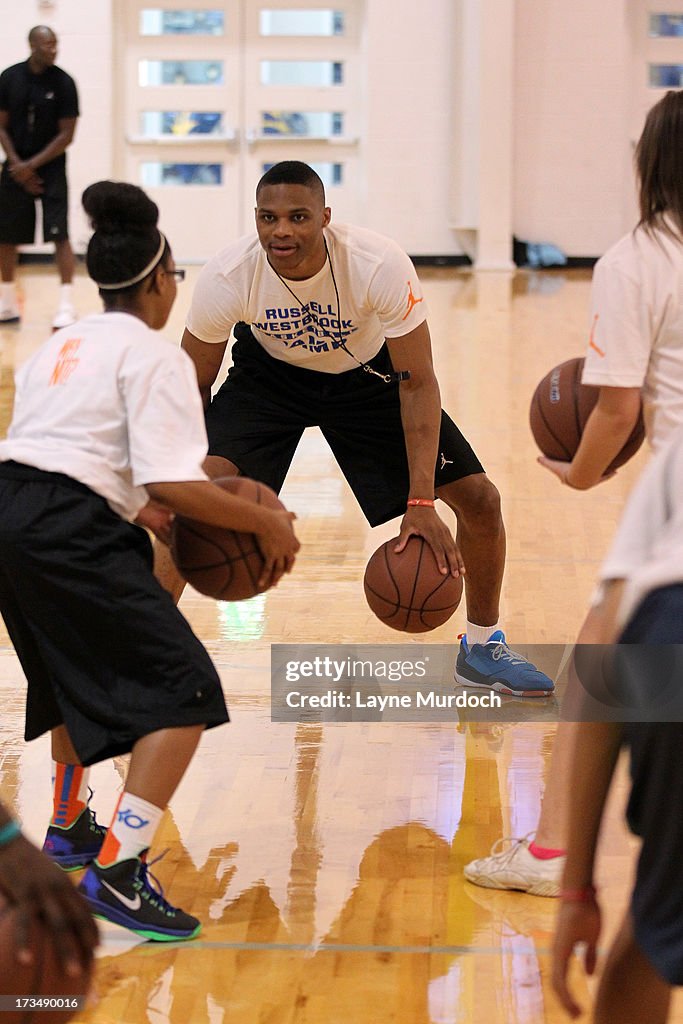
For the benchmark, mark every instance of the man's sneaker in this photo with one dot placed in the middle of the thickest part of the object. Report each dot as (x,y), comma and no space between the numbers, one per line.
(494,666)
(76,846)
(64,317)
(514,867)
(124,894)
(9,315)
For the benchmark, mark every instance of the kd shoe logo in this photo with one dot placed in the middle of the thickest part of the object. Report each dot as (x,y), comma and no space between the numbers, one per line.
(412,301)
(130,819)
(132,904)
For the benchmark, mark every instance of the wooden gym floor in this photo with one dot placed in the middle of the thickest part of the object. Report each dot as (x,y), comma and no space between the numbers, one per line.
(326,860)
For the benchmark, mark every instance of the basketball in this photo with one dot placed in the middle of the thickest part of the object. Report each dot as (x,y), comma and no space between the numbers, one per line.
(407,591)
(560,406)
(219,562)
(43,978)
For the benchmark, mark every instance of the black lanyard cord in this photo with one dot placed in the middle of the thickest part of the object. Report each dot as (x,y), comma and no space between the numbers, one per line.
(388,378)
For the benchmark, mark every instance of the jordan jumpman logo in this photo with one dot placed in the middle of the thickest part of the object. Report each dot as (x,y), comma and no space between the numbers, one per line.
(412,301)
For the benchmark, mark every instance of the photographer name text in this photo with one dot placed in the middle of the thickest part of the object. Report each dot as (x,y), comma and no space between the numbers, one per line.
(384,702)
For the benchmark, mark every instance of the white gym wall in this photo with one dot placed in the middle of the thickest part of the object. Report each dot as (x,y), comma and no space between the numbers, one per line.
(476,118)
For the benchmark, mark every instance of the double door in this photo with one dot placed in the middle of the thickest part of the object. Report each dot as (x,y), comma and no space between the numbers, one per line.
(211,96)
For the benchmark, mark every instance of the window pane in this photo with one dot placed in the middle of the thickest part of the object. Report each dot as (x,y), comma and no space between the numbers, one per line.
(155,22)
(180,72)
(155,173)
(666,76)
(666,25)
(181,122)
(301,72)
(330,173)
(302,23)
(311,124)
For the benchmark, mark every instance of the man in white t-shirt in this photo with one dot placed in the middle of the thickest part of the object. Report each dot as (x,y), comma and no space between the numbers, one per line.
(330,329)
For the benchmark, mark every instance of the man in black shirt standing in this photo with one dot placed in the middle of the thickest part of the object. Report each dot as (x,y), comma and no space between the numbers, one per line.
(38,111)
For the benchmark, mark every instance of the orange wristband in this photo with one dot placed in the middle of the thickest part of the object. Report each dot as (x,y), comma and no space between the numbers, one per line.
(421,502)
(586,895)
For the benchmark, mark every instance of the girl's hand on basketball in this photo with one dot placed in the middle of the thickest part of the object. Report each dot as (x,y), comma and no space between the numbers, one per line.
(421,521)
(39,889)
(561,469)
(158,519)
(577,923)
(278,546)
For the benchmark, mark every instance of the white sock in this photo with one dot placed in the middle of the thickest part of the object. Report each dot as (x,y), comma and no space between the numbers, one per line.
(480,634)
(66,295)
(8,295)
(132,829)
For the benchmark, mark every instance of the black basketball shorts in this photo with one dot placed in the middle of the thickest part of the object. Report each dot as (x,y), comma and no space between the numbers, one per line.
(655,807)
(18,208)
(257,418)
(104,649)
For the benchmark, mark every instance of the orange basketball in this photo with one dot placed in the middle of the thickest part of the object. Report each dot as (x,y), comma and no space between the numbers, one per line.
(407,591)
(560,407)
(219,562)
(42,980)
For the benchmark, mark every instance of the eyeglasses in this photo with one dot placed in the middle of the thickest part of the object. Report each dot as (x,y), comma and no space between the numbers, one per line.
(179,274)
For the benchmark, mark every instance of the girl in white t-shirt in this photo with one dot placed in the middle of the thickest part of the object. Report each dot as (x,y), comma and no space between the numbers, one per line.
(107,432)
(635,353)
(635,348)
(641,603)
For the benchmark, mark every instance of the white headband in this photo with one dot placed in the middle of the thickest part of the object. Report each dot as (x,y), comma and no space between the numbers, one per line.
(138,277)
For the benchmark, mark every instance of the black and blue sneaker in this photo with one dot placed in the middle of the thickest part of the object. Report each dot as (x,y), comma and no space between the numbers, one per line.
(77,846)
(493,666)
(124,894)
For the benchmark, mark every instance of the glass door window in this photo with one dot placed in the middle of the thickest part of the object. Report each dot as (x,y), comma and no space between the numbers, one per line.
(313,124)
(666,26)
(301,22)
(159,22)
(303,94)
(180,123)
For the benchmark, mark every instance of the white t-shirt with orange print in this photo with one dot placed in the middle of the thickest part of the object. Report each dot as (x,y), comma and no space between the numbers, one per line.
(110,403)
(636,333)
(647,550)
(377,296)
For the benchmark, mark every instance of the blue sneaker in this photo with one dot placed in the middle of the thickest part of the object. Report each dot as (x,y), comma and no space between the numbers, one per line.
(124,894)
(493,666)
(76,846)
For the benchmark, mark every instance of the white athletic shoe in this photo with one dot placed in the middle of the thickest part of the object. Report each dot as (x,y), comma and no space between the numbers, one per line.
(64,317)
(9,315)
(513,867)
